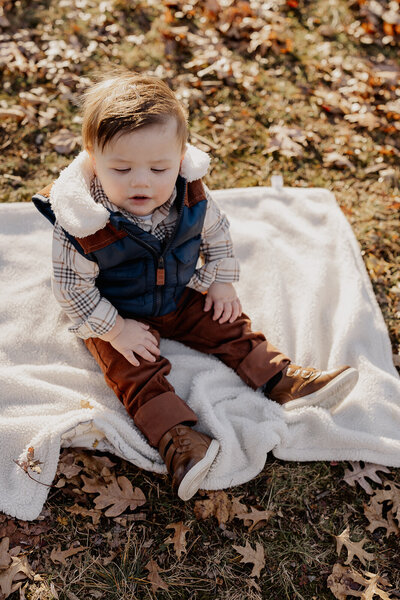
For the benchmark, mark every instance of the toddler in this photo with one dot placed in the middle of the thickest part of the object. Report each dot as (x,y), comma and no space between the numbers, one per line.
(142,251)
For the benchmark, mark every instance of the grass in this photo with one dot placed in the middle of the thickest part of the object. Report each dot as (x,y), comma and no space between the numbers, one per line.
(230,115)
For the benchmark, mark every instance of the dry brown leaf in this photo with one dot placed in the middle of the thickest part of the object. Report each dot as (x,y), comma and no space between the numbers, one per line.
(391,494)
(357,474)
(335,159)
(10,578)
(373,512)
(353,548)
(254,517)
(288,141)
(154,576)
(217,504)
(16,113)
(340,582)
(85,512)
(179,537)
(257,557)
(372,589)
(117,493)
(5,558)
(60,556)
(64,141)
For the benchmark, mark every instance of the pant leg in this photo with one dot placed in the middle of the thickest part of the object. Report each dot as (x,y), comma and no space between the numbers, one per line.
(248,352)
(145,392)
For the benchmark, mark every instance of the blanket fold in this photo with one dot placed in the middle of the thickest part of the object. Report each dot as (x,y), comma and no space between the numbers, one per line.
(305,286)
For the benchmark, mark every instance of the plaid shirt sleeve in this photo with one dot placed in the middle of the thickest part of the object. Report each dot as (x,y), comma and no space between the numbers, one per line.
(216,250)
(73,284)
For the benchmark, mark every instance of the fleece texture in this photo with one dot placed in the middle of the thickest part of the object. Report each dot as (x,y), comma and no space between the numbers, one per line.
(304,284)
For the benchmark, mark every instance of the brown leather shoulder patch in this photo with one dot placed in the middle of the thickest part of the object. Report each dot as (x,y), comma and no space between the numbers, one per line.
(100,239)
(194,192)
(46,190)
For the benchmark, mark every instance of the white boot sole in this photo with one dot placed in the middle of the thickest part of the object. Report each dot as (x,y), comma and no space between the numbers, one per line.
(331,395)
(193,479)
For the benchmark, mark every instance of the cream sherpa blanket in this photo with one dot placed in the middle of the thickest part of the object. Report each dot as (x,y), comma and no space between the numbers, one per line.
(305,285)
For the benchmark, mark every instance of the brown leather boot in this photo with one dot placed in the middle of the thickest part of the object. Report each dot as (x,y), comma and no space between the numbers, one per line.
(188,455)
(306,386)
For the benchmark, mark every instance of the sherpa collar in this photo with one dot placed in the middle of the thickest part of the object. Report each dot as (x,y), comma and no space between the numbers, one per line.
(74,207)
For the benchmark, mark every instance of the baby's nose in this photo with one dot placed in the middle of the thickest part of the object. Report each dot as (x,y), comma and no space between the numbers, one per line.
(139,179)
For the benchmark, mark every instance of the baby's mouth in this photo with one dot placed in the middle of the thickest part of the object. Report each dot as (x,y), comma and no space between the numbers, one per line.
(140,198)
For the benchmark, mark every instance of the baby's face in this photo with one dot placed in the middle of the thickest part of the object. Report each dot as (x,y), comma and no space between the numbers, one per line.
(138,170)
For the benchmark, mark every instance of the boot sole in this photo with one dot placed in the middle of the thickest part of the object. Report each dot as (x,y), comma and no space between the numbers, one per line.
(192,481)
(331,395)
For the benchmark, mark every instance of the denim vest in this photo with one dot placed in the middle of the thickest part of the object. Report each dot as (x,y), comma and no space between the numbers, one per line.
(139,274)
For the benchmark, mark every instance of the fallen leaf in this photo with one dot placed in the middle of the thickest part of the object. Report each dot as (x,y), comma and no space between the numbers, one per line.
(10,578)
(335,159)
(64,141)
(342,582)
(353,548)
(179,537)
(257,557)
(60,556)
(373,512)
(255,517)
(288,141)
(85,512)
(357,474)
(118,494)
(154,577)
(5,558)
(390,494)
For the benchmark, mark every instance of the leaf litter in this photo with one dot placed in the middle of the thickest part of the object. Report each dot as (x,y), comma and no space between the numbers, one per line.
(220,56)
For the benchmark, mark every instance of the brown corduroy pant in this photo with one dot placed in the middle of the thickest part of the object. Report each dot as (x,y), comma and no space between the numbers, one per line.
(144,390)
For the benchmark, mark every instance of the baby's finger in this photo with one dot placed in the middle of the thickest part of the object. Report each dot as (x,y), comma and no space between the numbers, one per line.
(227,312)
(236,311)
(218,308)
(143,325)
(151,338)
(130,357)
(141,350)
(207,303)
(153,349)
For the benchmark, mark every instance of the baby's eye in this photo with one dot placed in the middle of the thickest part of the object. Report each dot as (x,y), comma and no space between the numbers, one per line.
(122,170)
(159,170)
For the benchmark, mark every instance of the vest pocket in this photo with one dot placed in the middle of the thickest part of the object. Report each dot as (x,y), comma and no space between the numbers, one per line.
(186,255)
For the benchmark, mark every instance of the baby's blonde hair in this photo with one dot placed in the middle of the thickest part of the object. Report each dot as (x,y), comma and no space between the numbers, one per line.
(122,101)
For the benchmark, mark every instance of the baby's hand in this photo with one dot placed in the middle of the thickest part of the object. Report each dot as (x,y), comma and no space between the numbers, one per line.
(134,338)
(225,300)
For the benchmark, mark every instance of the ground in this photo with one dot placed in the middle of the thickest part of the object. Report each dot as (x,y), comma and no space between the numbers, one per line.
(307,89)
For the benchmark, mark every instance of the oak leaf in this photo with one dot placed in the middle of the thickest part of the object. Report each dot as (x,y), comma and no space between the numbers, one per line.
(288,141)
(217,504)
(341,582)
(64,141)
(254,517)
(154,577)
(390,494)
(5,558)
(373,512)
(357,474)
(118,494)
(179,537)
(85,512)
(60,556)
(10,578)
(257,557)
(353,548)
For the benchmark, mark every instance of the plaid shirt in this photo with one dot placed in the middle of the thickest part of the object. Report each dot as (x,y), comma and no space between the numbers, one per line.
(74,276)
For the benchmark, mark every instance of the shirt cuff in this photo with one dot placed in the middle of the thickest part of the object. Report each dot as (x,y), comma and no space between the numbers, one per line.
(224,270)
(99,322)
